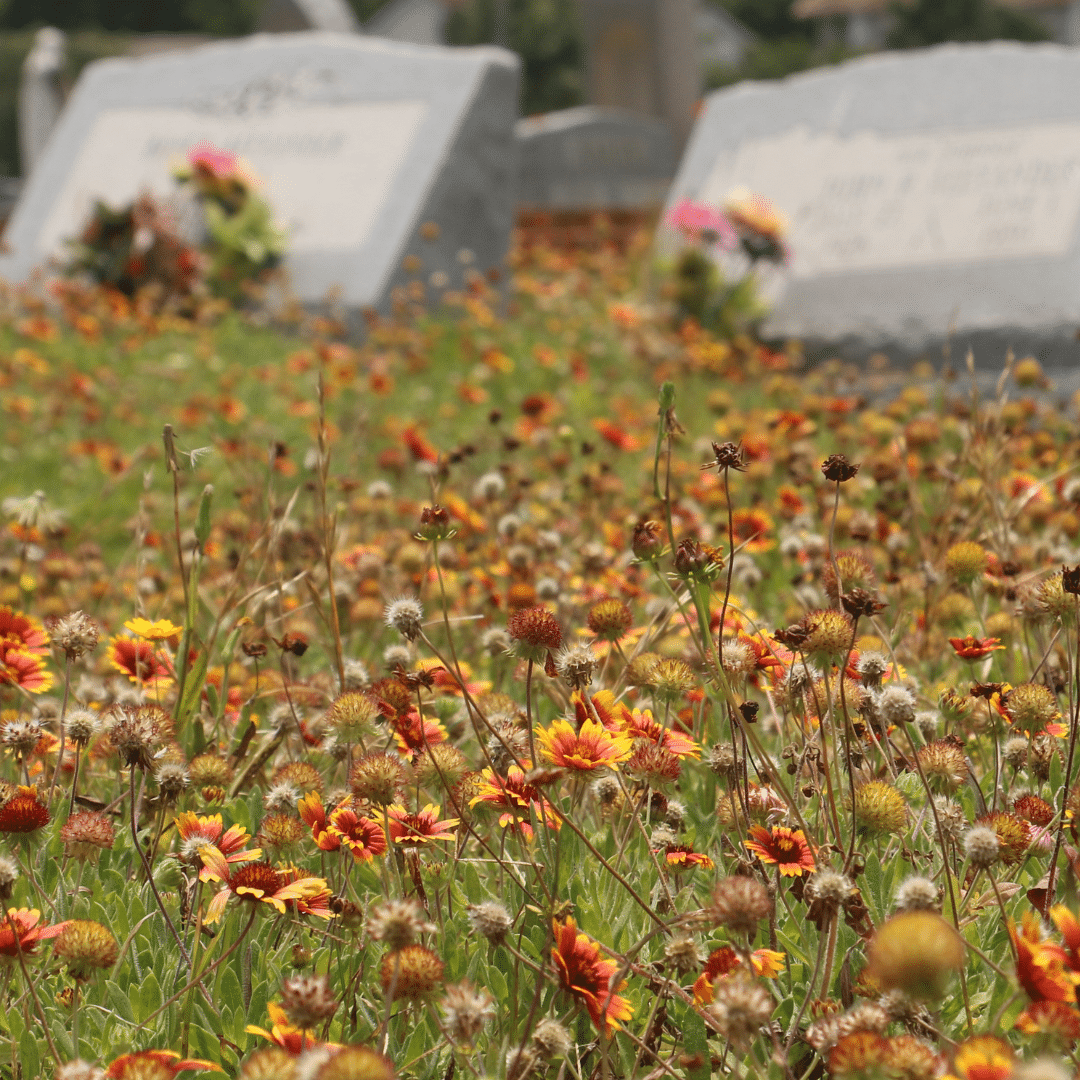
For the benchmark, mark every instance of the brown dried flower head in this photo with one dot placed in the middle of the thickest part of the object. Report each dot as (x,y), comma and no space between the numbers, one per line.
(75,633)
(308,1000)
(838,469)
(86,834)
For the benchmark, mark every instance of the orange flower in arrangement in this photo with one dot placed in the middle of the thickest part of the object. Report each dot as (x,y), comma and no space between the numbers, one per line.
(158,1064)
(723,961)
(22,668)
(984,1057)
(680,857)
(162,630)
(140,661)
(29,932)
(361,836)
(638,724)
(1067,924)
(591,748)
(1053,1018)
(295,1040)
(1042,966)
(198,832)
(24,812)
(24,631)
(514,796)
(584,974)
(412,737)
(785,848)
(973,648)
(258,882)
(412,830)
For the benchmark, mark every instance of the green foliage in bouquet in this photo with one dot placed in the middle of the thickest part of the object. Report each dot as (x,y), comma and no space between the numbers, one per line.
(245,245)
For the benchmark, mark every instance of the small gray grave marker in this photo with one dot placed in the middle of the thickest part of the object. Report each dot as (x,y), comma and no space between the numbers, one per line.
(932,196)
(360,143)
(594,159)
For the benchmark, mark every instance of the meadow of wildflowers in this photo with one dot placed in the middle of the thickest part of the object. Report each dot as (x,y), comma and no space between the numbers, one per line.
(548,687)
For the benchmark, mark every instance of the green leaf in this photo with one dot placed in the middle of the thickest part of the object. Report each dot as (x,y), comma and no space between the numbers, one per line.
(696,1046)
(119,1002)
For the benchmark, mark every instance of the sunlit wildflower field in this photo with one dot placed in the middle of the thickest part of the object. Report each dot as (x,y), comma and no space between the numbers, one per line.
(542,688)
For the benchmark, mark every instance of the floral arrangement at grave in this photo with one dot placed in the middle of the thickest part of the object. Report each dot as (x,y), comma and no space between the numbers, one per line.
(715,277)
(137,249)
(245,244)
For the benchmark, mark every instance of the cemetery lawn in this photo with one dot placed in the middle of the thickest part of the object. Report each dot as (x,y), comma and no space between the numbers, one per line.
(610,695)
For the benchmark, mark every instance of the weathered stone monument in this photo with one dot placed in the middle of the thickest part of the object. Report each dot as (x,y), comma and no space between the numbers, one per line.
(369,152)
(41,94)
(422,22)
(644,56)
(932,196)
(288,16)
(589,158)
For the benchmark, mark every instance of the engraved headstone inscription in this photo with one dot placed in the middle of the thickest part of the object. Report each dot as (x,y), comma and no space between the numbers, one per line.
(932,197)
(594,159)
(361,145)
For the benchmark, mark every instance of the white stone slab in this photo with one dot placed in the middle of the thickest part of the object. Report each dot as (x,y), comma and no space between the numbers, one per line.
(357,143)
(930,194)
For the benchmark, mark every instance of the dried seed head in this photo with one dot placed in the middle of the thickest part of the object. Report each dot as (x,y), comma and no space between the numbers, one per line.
(829,633)
(838,469)
(671,679)
(740,1008)
(81,725)
(917,952)
(209,769)
(495,641)
(829,888)
(918,894)
(872,666)
(281,833)
(281,798)
(411,974)
(944,765)
(398,923)
(879,807)
(406,616)
(79,1070)
(575,664)
(9,874)
(722,759)
(466,1011)
(75,633)
(551,1039)
(308,1000)
(86,834)
(606,791)
(740,903)
(490,920)
(85,945)
(534,633)
(895,705)
(966,561)
(1031,706)
(610,619)
(136,732)
(172,780)
(981,846)
(1015,752)
(21,735)
(351,716)
(350,1063)
(377,778)
(684,953)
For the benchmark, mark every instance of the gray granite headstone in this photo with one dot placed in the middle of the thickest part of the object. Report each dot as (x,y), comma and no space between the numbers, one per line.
(361,146)
(591,158)
(932,196)
(41,95)
(287,16)
(422,22)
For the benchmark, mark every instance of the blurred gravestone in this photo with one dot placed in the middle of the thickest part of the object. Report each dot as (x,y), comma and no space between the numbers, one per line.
(421,22)
(287,16)
(932,196)
(595,159)
(41,95)
(644,56)
(369,152)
